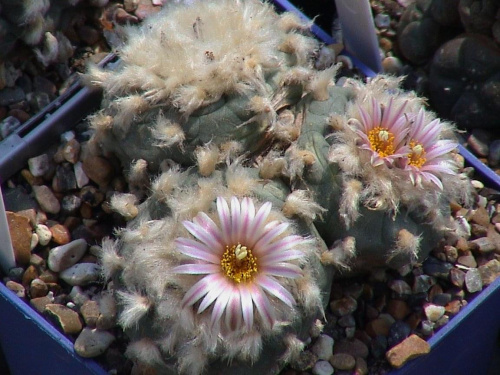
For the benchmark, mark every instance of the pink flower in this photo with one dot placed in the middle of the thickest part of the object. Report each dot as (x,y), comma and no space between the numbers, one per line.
(382,131)
(242,262)
(428,156)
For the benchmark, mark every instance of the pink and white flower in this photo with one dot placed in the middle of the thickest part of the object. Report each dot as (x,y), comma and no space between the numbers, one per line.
(428,156)
(382,130)
(241,263)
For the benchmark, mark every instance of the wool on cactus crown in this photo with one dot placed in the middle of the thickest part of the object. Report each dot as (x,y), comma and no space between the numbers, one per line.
(192,55)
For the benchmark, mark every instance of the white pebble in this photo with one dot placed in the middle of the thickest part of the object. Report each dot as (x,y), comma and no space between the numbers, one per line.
(477,184)
(434,312)
(39,165)
(34,241)
(382,20)
(323,347)
(322,368)
(64,256)
(81,274)
(81,177)
(44,234)
(67,136)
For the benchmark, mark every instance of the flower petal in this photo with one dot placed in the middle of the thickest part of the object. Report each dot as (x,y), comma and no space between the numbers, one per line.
(198,290)
(202,234)
(246,306)
(196,250)
(225,219)
(196,269)
(233,311)
(247,216)
(289,270)
(208,224)
(219,307)
(274,288)
(286,243)
(263,305)
(257,225)
(260,247)
(217,288)
(284,256)
(235,220)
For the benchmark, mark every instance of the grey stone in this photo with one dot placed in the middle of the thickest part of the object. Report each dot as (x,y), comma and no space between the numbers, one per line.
(39,165)
(422,283)
(478,141)
(398,332)
(323,347)
(81,178)
(64,179)
(435,267)
(46,199)
(322,368)
(400,287)
(433,312)
(64,256)
(70,203)
(11,95)
(494,154)
(473,280)
(382,20)
(92,342)
(81,274)
(8,126)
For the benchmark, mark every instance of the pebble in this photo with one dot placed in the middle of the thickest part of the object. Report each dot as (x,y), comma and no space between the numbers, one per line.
(29,275)
(98,170)
(11,95)
(64,256)
(66,318)
(323,347)
(78,296)
(457,277)
(8,126)
(494,154)
(380,325)
(400,287)
(17,288)
(92,342)
(392,65)
(473,280)
(481,216)
(60,234)
(46,199)
(484,244)
(38,288)
(20,234)
(467,261)
(399,331)
(40,303)
(44,234)
(398,309)
(70,204)
(478,141)
(108,312)
(305,361)
(64,179)
(344,306)
(322,368)
(435,267)
(489,271)
(378,346)
(410,348)
(361,367)
(80,176)
(343,361)
(422,283)
(354,347)
(81,274)
(382,20)
(90,313)
(433,312)
(39,165)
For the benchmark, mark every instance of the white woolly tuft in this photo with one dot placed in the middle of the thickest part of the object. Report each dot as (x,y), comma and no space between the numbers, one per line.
(207,158)
(101,122)
(144,351)
(192,360)
(299,203)
(167,133)
(342,252)
(309,294)
(294,347)
(239,182)
(349,202)
(110,260)
(319,84)
(125,205)
(407,244)
(316,328)
(134,307)
(271,166)
(166,182)
(50,48)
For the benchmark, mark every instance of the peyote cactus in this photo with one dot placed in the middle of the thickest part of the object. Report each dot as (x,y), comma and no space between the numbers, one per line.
(319,178)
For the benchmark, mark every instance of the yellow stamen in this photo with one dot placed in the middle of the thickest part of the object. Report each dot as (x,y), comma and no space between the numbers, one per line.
(238,263)
(417,155)
(381,141)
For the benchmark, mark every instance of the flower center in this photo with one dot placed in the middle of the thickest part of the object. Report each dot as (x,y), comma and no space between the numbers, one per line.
(381,141)
(238,263)
(417,155)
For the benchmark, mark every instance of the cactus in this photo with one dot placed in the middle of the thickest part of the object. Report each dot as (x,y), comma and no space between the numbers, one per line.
(349,177)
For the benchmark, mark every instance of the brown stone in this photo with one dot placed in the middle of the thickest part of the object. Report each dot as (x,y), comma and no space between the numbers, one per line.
(17,288)
(60,234)
(49,276)
(411,347)
(490,271)
(90,313)
(29,275)
(481,217)
(361,367)
(379,326)
(98,170)
(343,361)
(30,179)
(66,318)
(30,213)
(354,347)
(46,199)
(398,309)
(467,260)
(40,303)
(20,233)
(453,307)
(38,288)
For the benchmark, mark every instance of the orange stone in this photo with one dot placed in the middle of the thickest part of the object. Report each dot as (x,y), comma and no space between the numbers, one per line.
(60,234)
(20,233)
(410,348)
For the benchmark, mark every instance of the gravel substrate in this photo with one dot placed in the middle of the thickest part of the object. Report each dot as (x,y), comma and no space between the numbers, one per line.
(59,210)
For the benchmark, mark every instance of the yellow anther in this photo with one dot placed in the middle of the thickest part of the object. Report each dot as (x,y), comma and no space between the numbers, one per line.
(240,252)
(381,141)
(238,263)
(417,155)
